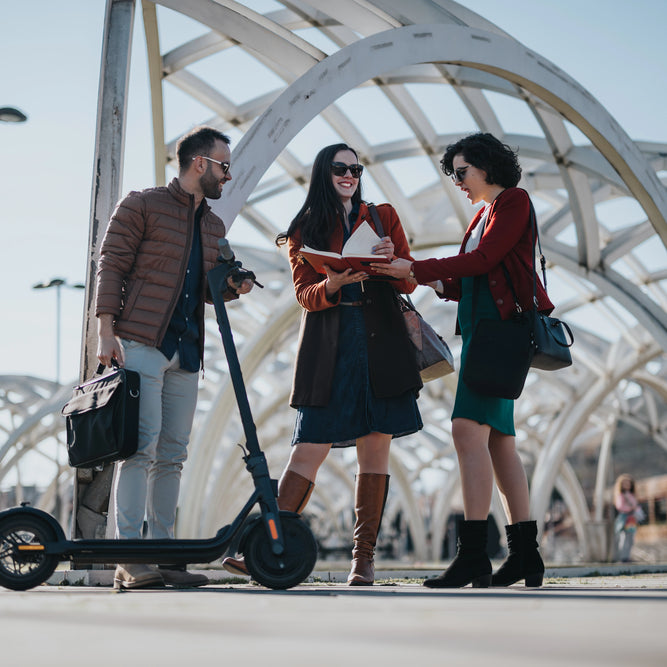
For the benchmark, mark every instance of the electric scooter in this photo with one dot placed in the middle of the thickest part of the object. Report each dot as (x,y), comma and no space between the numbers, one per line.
(279,548)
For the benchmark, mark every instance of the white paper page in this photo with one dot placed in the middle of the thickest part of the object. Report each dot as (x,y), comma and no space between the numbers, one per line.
(324,253)
(362,241)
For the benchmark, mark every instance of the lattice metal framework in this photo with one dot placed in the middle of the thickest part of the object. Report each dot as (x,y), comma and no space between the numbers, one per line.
(399,81)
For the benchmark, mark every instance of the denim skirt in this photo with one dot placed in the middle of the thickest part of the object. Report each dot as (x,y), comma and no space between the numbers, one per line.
(353,410)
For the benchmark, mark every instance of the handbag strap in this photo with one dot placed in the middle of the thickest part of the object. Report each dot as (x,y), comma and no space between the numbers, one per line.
(379,229)
(534,235)
(376,219)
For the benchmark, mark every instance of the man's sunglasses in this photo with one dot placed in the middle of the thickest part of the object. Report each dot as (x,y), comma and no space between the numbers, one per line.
(223,165)
(340,169)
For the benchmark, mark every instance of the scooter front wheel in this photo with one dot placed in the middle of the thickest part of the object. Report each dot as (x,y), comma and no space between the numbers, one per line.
(23,562)
(288,569)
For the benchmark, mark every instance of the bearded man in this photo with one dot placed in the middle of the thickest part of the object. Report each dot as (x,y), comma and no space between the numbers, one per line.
(151,290)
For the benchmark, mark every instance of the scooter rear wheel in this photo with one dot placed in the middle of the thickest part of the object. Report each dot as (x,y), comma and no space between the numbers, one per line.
(289,569)
(23,563)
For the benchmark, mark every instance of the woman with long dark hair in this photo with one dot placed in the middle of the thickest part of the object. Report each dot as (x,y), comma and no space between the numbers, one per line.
(498,239)
(355,379)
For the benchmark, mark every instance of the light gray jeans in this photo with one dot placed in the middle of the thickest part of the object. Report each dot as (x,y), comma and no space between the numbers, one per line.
(147,484)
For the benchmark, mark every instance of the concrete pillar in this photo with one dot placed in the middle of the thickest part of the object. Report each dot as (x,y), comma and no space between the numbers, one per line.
(106,189)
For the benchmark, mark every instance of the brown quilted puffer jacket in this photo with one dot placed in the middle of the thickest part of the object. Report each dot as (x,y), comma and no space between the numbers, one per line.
(144,257)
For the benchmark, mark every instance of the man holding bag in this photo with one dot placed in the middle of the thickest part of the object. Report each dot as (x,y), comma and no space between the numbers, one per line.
(151,288)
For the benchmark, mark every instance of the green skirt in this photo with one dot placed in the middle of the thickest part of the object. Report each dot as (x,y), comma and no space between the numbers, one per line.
(496,412)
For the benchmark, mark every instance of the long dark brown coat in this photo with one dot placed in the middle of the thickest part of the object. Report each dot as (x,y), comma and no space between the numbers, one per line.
(391,359)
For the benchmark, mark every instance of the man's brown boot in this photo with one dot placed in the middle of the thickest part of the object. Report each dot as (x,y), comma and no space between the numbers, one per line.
(294,492)
(370,496)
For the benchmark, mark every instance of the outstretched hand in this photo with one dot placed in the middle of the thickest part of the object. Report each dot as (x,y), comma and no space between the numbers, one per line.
(399,268)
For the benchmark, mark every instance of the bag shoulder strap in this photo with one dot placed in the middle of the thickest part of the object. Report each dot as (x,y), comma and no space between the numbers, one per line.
(376,219)
(372,209)
(534,234)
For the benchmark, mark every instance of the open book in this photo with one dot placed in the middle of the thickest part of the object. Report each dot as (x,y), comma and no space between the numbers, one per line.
(357,253)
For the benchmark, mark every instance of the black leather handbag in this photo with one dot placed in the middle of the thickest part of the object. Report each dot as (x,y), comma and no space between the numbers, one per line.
(102,418)
(552,339)
(501,352)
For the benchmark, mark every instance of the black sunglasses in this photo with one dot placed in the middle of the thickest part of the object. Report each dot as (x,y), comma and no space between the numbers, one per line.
(459,174)
(340,169)
(223,165)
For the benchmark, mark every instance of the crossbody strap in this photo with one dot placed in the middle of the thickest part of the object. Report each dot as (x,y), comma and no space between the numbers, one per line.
(534,233)
(379,229)
(376,219)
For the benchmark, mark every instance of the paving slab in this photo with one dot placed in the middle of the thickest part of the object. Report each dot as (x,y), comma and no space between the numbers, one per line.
(572,620)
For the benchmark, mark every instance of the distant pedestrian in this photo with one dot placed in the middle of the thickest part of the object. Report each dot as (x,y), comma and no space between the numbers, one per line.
(629,511)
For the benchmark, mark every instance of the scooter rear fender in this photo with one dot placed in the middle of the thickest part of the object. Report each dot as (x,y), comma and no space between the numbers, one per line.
(33,511)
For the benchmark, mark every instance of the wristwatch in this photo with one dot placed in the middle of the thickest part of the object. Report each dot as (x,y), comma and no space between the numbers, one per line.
(412,271)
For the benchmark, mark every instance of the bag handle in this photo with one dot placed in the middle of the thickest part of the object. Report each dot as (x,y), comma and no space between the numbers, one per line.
(101,366)
(569,333)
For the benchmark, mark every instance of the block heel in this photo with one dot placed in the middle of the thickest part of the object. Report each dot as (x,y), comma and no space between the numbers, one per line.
(482,582)
(534,580)
(523,561)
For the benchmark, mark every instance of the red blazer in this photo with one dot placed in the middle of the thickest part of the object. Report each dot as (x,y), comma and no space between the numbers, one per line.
(507,239)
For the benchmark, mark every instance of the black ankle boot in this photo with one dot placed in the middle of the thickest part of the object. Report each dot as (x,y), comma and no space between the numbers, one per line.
(471,564)
(523,561)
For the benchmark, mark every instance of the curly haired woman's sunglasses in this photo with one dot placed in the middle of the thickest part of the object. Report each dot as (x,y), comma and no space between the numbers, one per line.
(340,169)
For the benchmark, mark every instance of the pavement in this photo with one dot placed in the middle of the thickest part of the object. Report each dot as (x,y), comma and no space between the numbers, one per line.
(596,614)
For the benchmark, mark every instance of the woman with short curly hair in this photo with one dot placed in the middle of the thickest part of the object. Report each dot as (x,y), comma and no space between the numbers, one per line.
(498,239)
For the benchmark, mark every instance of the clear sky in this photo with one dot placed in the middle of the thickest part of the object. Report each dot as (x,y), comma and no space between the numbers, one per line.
(50,54)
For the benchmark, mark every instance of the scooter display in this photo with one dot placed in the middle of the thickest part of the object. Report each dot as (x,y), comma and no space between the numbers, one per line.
(279,548)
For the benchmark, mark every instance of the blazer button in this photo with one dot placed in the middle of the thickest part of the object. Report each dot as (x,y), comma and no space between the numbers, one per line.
(500,302)
(493,283)
(373,334)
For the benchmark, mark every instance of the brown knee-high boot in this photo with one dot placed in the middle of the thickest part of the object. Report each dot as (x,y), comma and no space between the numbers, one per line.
(370,496)
(294,492)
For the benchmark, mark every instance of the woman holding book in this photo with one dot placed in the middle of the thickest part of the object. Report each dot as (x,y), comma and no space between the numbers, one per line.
(355,380)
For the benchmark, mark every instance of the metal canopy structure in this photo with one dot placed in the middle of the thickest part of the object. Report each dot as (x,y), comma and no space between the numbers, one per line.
(398,81)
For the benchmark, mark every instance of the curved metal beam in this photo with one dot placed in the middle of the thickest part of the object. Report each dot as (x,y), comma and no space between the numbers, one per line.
(379,53)
(569,423)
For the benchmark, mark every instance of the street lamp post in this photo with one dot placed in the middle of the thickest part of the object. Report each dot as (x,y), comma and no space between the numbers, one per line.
(58,283)
(12,115)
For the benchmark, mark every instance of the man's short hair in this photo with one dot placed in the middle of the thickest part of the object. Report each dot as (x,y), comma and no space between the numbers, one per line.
(200,141)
